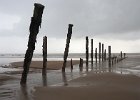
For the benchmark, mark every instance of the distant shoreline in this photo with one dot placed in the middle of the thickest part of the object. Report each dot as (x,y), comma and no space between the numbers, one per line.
(51,65)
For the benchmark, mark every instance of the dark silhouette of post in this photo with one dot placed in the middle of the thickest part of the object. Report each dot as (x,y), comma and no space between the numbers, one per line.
(34,30)
(87,50)
(102,52)
(44,55)
(67,47)
(71,65)
(81,64)
(96,55)
(105,55)
(91,51)
(109,55)
(121,55)
(99,52)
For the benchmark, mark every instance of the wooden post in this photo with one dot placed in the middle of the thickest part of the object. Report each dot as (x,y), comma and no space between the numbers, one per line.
(87,50)
(99,52)
(121,55)
(91,51)
(34,30)
(105,55)
(109,55)
(67,47)
(44,55)
(102,52)
(96,54)
(81,64)
(71,65)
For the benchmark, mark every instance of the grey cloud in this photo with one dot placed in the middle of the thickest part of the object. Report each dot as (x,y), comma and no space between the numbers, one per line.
(90,17)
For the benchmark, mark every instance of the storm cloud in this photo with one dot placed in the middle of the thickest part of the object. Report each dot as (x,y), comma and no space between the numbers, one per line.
(90,17)
(104,19)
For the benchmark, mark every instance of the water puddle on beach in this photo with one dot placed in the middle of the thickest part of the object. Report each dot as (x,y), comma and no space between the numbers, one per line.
(11,89)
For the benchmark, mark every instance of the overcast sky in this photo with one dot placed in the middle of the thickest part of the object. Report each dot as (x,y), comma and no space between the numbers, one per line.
(112,22)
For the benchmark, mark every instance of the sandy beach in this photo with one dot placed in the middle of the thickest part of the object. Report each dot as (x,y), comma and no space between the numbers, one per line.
(51,65)
(105,86)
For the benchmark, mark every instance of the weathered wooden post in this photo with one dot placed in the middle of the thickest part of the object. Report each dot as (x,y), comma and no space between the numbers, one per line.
(105,55)
(67,47)
(96,54)
(44,55)
(102,52)
(121,55)
(81,64)
(99,52)
(109,55)
(71,65)
(124,55)
(87,50)
(34,29)
(91,51)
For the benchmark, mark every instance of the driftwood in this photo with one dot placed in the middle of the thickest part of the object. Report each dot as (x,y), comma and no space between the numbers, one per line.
(44,55)
(34,29)
(67,47)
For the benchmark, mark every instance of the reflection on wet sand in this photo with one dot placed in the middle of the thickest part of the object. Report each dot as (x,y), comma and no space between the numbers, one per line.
(64,78)
(44,80)
(23,94)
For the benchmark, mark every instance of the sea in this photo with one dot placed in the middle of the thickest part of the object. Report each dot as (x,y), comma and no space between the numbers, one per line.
(6,59)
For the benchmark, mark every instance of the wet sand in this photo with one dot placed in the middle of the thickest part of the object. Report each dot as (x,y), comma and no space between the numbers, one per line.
(4,78)
(104,86)
(51,65)
(98,84)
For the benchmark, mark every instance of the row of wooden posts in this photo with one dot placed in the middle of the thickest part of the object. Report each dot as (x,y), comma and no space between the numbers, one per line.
(34,30)
(102,55)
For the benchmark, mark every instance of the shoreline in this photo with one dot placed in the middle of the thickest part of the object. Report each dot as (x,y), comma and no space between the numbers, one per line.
(51,65)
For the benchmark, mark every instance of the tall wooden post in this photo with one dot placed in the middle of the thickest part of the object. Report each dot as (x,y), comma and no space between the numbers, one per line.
(96,54)
(67,47)
(109,55)
(105,55)
(102,52)
(99,52)
(34,29)
(87,50)
(44,55)
(91,51)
